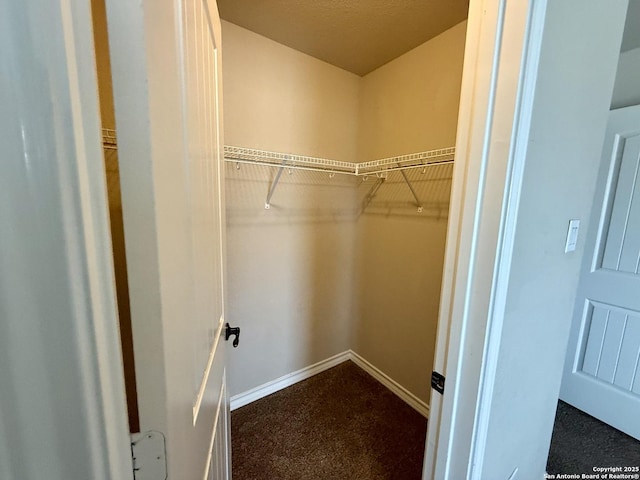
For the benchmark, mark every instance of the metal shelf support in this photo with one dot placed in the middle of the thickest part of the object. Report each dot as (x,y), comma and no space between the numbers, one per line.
(267,204)
(372,193)
(413,192)
(380,168)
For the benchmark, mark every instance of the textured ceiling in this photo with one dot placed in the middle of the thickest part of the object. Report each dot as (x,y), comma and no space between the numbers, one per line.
(631,37)
(356,35)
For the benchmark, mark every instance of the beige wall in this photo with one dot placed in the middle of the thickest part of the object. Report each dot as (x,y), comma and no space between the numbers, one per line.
(411,103)
(277,98)
(107,114)
(407,105)
(290,280)
(313,276)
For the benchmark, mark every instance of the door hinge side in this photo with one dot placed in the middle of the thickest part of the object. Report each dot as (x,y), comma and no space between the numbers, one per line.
(149,455)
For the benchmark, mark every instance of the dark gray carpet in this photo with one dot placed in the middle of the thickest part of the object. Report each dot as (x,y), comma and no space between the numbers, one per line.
(580,442)
(340,424)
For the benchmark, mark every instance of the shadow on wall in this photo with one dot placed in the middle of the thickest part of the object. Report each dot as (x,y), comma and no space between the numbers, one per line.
(290,270)
(392,196)
(300,196)
(399,274)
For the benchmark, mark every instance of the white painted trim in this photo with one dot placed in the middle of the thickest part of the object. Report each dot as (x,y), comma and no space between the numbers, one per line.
(405,395)
(89,254)
(473,270)
(449,425)
(207,371)
(506,237)
(285,381)
(207,467)
(290,379)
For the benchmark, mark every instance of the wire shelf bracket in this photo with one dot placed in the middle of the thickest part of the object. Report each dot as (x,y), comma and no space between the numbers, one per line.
(267,204)
(380,168)
(413,192)
(372,193)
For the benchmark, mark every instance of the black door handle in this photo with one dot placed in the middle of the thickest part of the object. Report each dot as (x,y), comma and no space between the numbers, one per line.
(232,331)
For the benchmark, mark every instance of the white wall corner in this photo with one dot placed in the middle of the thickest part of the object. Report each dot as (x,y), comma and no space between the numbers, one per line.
(409,398)
(290,379)
(287,380)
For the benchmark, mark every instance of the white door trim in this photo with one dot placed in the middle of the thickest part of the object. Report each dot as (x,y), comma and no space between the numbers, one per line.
(475,286)
(483,133)
(58,38)
(108,399)
(506,238)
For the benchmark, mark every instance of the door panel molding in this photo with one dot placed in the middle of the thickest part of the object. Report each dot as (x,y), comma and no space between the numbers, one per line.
(207,372)
(621,200)
(603,356)
(216,434)
(62,395)
(166,78)
(609,332)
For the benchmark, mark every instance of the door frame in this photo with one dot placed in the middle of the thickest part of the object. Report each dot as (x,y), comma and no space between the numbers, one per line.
(147,48)
(486,115)
(496,107)
(94,337)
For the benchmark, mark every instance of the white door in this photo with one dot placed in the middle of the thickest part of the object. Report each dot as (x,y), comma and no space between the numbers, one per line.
(62,408)
(167,74)
(62,391)
(203,159)
(601,375)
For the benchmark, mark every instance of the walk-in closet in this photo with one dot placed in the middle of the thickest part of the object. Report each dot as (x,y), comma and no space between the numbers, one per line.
(235,232)
(338,176)
(339,145)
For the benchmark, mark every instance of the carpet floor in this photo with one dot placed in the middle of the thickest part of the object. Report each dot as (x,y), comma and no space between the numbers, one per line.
(343,424)
(339,424)
(580,442)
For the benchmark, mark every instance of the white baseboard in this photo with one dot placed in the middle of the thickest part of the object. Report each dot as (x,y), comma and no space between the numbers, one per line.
(404,394)
(285,381)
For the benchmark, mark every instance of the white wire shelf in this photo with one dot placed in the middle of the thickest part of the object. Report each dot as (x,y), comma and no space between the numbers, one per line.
(403,162)
(277,159)
(300,162)
(379,168)
(375,167)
